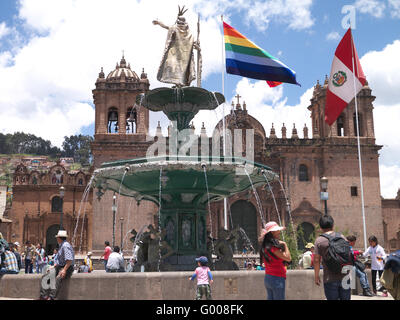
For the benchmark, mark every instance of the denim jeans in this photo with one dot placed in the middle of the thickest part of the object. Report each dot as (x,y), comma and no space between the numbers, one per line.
(363,278)
(275,287)
(334,291)
(5,271)
(28,266)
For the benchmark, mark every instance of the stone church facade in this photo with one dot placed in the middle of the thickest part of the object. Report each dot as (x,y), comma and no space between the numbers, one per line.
(122,132)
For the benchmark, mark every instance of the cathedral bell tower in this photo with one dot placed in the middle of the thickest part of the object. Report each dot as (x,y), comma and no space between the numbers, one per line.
(345,126)
(121,132)
(119,121)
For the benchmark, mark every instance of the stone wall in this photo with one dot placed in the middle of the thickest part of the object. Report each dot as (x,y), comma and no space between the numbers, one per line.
(228,285)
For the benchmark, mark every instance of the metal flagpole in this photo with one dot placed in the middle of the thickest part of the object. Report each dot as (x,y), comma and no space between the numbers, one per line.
(223,116)
(358,143)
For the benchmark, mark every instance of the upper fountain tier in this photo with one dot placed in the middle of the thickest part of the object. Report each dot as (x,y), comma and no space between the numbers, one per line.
(180,105)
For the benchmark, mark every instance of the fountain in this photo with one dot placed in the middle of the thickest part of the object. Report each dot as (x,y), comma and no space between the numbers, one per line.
(181,185)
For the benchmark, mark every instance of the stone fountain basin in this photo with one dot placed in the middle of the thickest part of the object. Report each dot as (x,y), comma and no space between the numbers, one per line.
(180,99)
(184,176)
(180,105)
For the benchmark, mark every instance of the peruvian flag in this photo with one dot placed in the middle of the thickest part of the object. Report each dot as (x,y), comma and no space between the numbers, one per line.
(341,82)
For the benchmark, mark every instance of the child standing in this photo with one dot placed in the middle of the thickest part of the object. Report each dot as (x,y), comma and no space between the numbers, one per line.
(378,255)
(204,278)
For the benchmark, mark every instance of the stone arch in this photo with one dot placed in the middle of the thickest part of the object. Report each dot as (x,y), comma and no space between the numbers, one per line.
(51,242)
(305,234)
(244,215)
(80,179)
(34,178)
(304,174)
(57,175)
(131,120)
(112,120)
(56,204)
(341,126)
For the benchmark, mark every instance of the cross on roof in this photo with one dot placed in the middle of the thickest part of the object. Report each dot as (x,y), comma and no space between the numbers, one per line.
(238,97)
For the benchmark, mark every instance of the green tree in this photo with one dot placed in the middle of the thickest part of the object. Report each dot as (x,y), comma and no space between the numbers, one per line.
(290,237)
(78,147)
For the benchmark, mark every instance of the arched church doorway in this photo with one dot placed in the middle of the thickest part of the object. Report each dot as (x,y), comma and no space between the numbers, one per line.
(305,234)
(244,215)
(51,242)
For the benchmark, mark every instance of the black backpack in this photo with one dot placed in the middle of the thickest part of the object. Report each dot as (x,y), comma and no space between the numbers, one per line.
(339,253)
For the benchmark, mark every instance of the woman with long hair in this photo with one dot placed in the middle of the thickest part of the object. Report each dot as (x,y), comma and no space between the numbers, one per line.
(274,253)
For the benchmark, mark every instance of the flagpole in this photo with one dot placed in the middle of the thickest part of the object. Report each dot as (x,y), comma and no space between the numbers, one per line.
(358,143)
(223,116)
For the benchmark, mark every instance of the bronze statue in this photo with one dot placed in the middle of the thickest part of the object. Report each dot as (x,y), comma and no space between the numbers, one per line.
(177,64)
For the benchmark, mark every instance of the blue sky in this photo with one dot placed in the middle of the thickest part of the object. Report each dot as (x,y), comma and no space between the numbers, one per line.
(51,53)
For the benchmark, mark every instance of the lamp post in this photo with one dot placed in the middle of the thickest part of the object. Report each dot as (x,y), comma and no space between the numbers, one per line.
(114,210)
(62,193)
(324,193)
(122,228)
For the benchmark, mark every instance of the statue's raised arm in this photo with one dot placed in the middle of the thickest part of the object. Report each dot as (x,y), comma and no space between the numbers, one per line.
(156,22)
(177,65)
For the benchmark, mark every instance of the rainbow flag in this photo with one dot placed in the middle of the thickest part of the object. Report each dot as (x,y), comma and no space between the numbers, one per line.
(246,59)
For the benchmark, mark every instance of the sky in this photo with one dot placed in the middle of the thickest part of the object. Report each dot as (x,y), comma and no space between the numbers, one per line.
(51,53)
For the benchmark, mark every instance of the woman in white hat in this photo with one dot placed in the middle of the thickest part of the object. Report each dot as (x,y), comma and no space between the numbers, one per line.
(273,254)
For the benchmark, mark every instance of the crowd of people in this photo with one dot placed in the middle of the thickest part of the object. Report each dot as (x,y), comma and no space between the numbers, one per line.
(30,259)
(331,252)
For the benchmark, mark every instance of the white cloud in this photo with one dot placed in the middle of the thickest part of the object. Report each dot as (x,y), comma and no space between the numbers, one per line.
(390,177)
(267,105)
(394,6)
(4,30)
(334,35)
(50,76)
(375,8)
(296,14)
(382,71)
(54,70)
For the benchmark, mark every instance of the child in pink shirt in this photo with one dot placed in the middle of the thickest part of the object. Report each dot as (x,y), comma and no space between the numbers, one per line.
(204,278)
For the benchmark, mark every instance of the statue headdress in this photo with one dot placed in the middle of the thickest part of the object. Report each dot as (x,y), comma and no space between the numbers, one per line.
(181,11)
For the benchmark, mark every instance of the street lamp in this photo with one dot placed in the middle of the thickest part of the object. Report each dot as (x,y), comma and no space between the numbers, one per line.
(122,228)
(324,193)
(62,193)
(114,210)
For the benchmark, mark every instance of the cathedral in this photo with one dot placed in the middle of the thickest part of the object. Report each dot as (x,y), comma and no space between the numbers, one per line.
(300,159)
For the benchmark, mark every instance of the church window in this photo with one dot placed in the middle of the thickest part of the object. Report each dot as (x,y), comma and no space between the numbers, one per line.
(56,204)
(354,191)
(303,173)
(131,121)
(113,121)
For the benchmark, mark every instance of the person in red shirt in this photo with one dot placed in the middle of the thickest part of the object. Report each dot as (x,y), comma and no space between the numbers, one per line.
(273,254)
(106,254)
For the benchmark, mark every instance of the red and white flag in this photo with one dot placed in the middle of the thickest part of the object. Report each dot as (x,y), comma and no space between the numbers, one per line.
(341,82)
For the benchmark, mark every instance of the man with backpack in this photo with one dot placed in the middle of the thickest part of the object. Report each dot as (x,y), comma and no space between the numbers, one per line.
(334,250)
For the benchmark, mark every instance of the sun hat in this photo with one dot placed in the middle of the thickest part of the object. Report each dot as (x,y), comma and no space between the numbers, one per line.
(89,253)
(62,234)
(202,259)
(309,245)
(16,243)
(272,226)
